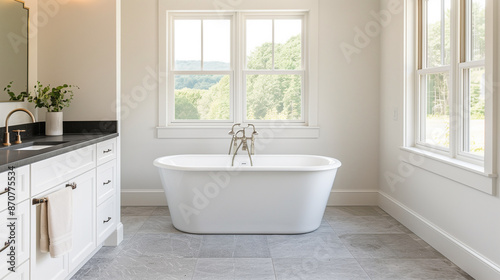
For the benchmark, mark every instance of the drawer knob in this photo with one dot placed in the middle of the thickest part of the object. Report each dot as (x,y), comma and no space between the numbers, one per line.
(5,191)
(72,185)
(107,151)
(7,244)
(105,183)
(105,221)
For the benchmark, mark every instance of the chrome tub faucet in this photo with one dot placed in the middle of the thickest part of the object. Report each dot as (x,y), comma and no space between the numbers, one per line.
(243,141)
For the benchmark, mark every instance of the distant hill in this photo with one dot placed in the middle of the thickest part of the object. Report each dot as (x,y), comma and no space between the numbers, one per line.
(198,81)
(195,65)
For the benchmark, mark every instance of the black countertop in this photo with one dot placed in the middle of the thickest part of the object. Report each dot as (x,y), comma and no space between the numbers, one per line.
(10,157)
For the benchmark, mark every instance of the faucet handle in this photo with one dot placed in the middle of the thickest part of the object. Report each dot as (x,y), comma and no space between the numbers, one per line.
(254,130)
(231,132)
(18,136)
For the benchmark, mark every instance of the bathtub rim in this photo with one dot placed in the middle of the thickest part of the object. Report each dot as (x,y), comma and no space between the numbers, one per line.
(332,164)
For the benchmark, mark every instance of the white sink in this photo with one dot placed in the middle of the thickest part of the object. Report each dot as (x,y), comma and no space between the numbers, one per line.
(35,147)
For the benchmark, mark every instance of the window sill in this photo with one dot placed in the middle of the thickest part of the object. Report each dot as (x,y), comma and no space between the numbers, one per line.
(215,132)
(459,171)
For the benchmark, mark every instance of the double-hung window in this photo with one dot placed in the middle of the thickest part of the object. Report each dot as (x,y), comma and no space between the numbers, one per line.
(237,67)
(200,75)
(473,80)
(451,78)
(451,70)
(273,70)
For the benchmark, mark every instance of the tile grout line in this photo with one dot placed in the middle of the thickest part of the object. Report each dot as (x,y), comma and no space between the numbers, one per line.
(274,269)
(368,275)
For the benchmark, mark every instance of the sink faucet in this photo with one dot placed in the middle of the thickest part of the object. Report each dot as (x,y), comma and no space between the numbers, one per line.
(244,141)
(6,138)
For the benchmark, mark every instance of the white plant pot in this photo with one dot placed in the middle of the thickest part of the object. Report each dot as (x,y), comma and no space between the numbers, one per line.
(54,123)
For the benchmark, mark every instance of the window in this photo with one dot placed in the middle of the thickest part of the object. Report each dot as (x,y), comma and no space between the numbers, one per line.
(451,72)
(451,78)
(200,75)
(274,73)
(472,71)
(237,67)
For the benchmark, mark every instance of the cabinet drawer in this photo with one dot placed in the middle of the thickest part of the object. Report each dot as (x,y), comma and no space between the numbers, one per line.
(21,185)
(22,239)
(106,151)
(106,181)
(22,273)
(56,170)
(106,219)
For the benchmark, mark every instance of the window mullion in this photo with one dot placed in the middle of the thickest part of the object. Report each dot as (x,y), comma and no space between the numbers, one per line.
(464,106)
(472,64)
(421,108)
(239,49)
(443,32)
(456,113)
(434,70)
(201,49)
(272,45)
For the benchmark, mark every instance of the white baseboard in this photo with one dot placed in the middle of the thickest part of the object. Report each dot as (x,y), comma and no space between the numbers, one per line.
(353,198)
(463,256)
(156,197)
(143,197)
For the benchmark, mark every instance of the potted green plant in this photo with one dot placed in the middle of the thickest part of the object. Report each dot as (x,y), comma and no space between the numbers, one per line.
(54,99)
(13,96)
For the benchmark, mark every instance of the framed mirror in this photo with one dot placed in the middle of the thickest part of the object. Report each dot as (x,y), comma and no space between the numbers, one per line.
(13,47)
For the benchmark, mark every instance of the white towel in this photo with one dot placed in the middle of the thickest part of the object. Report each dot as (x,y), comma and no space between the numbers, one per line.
(60,222)
(44,230)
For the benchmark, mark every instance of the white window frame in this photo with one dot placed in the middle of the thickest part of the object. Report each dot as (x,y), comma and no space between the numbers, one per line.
(302,72)
(172,72)
(306,128)
(421,74)
(473,171)
(464,66)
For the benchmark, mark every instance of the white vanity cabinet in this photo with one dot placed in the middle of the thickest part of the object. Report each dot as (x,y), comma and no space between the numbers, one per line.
(93,173)
(92,170)
(53,174)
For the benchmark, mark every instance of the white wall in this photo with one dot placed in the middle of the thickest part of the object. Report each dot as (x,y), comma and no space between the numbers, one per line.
(77,45)
(348,98)
(459,221)
(74,42)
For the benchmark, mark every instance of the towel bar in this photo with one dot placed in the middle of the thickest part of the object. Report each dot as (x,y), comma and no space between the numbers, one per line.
(43,200)
(38,201)
(6,245)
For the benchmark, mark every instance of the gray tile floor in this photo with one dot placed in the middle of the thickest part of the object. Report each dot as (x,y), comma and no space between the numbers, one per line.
(351,243)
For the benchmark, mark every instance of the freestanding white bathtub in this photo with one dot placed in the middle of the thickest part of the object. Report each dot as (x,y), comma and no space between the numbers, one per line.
(280,194)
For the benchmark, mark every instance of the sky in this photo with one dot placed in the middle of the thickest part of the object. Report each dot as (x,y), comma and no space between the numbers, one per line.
(216,37)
